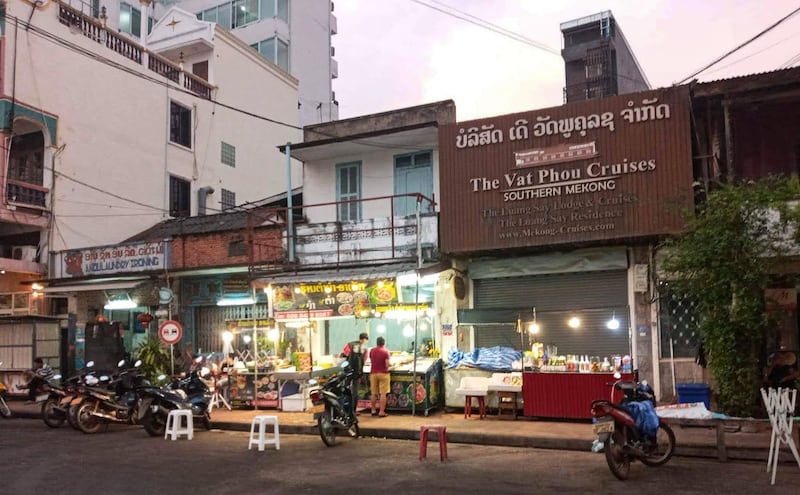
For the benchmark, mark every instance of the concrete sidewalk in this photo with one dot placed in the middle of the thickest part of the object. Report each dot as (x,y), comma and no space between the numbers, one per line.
(749,441)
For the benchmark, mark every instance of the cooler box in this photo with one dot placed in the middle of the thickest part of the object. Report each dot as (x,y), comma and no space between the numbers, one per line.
(693,392)
(296,402)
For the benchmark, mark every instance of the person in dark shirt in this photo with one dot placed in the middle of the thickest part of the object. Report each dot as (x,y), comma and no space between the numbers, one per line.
(354,353)
(36,377)
(782,370)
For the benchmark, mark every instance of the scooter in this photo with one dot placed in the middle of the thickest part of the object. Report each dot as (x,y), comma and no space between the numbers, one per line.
(630,430)
(190,392)
(333,406)
(56,404)
(5,411)
(118,404)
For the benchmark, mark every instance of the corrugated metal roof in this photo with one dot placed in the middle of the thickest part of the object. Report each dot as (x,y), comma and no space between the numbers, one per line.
(748,82)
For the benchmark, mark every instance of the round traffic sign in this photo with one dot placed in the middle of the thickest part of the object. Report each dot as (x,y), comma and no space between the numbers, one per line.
(170,332)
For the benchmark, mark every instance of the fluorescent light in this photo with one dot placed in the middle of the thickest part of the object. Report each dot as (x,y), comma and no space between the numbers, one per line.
(120,304)
(235,301)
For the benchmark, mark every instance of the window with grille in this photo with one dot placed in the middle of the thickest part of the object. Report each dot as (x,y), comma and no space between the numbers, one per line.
(228,154)
(678,324)
(179,201)
(180,124)
(228,200)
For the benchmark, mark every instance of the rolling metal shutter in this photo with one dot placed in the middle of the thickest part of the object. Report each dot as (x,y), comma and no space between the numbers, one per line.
(593,297)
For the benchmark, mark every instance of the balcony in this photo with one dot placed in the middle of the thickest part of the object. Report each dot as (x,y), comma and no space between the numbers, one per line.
(93,29)
(334,25)
(26,195)
(334,69)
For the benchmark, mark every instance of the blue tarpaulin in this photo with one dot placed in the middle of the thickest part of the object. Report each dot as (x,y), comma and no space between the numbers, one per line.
(645,416)
(486,358)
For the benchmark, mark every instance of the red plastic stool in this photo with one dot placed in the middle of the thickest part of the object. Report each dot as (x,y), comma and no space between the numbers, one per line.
(481,405)
(441,433)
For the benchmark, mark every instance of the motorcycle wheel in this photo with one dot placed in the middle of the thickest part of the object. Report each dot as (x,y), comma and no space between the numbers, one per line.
(663,449)
(327,430)
(5,411)
(618,461)
(155,423)
(72,416)
(51,415)
(86,421)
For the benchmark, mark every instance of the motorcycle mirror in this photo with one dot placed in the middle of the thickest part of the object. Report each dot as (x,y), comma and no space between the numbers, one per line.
(617,375)
(121,363)
(56,377)
(137,363)
(344,364)
(312,382)
(644,383)
(91,380)
(199,359)
(161,377)
(104,378)
(90,364)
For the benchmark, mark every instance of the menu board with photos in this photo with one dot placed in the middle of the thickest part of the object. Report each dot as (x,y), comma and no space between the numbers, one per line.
(295,301)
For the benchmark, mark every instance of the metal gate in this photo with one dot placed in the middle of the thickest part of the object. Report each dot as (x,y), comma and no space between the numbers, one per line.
(211,322)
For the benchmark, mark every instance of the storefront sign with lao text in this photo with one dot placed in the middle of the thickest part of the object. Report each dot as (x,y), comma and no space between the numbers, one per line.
(331,299)
(104,260)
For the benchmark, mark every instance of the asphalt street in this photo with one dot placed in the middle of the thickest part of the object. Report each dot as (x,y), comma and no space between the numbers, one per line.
(125,460)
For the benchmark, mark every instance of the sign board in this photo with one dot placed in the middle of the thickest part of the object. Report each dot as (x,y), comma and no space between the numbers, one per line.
(640,278)
(104,260)
(170,332)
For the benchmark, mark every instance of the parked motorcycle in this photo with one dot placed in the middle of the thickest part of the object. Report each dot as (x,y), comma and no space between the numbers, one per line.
(333,406)
(625,440)
(189,392)
(5,411)
(117,404)
(56,404)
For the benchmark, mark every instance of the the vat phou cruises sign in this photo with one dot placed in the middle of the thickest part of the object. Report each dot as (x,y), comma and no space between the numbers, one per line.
(618,167)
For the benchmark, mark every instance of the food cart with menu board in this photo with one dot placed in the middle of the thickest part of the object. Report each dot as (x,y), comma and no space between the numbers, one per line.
(417,389)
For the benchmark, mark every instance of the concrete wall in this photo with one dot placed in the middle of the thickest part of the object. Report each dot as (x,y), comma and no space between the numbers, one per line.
(112,175)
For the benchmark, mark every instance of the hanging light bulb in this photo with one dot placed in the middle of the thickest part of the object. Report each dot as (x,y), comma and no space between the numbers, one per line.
(613,323)
(574,322)
(381,328)
(408,331)
(534,328)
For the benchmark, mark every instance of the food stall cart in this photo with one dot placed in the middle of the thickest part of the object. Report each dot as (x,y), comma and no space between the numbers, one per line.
(419,389)
(268,388)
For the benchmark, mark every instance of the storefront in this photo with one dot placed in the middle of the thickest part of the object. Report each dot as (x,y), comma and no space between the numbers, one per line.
(554,213)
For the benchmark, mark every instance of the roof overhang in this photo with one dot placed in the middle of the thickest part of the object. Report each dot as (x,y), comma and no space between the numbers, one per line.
(410,138)
(94,285)
(351,274)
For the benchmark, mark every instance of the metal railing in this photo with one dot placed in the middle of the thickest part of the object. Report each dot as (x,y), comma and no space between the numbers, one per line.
(25,194)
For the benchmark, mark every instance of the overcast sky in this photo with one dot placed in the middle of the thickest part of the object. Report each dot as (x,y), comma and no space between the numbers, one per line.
(398,53)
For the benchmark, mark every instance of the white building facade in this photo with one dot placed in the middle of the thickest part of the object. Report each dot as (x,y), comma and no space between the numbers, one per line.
(108,137)
(296,35)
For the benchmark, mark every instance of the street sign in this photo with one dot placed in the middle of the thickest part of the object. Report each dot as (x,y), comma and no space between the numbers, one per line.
(170,332)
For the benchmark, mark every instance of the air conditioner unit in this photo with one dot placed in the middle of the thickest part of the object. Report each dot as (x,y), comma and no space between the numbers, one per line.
(24,253)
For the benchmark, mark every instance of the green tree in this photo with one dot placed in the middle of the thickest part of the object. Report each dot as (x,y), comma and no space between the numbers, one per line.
(155,357)
(733,245)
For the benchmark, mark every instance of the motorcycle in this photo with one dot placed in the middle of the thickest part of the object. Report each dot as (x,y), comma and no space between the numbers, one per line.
(625,440)
(117,404)
(190,392)
(56,404)
(333,406)
(5,411)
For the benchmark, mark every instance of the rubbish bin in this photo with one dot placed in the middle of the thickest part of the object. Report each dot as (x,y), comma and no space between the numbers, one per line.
(693,392)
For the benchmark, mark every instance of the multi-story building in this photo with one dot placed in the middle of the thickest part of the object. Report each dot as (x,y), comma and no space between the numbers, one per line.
(295,35)
(598,62)
(105,136)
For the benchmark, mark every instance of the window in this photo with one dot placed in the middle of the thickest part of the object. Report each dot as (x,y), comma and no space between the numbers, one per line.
(678,324)
(237,248)
(180,125)
(245,12)
(95,9)
(276,50)
(130,20)
(2,20)
(228,154)
(26,169)
(348,188)
(179,204)
(283,10)
(413,173)
(228,199)
(221,14)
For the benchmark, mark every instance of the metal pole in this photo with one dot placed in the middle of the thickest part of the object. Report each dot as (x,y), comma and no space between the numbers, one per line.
(416,318)
(255,358)
(172,359)
(289,208)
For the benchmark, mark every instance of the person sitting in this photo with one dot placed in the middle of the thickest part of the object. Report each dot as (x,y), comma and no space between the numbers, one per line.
(782,370)
(37,376)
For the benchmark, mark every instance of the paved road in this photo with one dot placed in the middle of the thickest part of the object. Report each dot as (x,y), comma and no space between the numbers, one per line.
(124,460)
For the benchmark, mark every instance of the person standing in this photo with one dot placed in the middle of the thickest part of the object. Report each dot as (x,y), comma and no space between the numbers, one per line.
(379,377)
(354,353)
(36,377)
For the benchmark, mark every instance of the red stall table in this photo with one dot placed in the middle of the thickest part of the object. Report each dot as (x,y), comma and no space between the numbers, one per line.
(567,394)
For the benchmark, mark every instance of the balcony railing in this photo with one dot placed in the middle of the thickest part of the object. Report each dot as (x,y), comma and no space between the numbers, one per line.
(95,30)
(28,195)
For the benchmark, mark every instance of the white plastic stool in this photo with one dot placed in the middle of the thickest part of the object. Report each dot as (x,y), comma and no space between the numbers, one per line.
(261,440)
(175,426)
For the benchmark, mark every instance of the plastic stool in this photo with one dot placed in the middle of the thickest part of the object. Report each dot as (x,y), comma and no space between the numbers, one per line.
(261,440)
(441,433)
(481,405)
(175,427)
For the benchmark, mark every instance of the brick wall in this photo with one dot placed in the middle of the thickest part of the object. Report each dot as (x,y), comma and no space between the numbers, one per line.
(226,248)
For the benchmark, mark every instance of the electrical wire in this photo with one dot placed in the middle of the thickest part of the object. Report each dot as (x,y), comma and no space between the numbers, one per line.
(477,21)
(739,47)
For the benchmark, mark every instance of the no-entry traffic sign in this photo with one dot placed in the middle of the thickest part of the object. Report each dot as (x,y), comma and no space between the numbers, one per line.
(170,332)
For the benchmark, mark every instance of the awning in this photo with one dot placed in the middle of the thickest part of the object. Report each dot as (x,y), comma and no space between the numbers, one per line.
(375,272)
(115,285)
